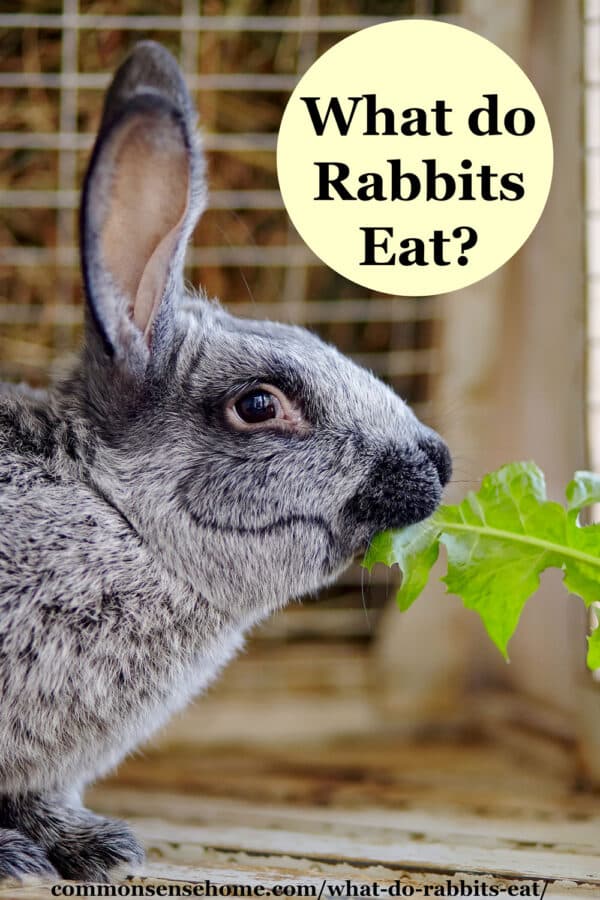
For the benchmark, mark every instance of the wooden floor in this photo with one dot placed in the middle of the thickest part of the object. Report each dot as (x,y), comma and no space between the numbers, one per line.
(368,810)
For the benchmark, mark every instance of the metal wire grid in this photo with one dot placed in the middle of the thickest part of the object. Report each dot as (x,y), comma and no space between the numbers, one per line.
(40,295)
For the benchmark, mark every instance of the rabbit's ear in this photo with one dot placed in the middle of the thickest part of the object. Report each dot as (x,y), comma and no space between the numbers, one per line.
(143,193)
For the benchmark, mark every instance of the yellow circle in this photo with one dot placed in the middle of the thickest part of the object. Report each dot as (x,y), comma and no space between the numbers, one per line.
(391,174)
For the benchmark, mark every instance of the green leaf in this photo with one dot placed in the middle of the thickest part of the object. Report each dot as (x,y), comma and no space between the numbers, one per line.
(498,542)
(415,549)
(583,491)
(593,654)
(581,577)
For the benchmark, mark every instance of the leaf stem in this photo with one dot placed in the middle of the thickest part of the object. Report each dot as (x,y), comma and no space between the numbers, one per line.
(559,549)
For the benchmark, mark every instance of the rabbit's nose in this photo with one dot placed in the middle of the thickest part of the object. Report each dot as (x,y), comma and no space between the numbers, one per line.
(437,451)
(402,487)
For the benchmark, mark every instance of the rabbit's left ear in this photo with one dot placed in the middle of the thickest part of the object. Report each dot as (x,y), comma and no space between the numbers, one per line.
(143,194)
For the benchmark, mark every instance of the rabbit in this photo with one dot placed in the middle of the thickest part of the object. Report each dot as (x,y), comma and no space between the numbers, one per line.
(193,474)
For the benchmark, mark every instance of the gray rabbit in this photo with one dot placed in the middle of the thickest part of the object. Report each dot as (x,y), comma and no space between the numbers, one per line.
(194,473)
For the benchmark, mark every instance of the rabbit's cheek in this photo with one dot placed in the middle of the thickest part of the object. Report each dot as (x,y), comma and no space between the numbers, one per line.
(261,568)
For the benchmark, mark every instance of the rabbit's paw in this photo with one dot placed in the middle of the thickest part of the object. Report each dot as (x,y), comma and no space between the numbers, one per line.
(20,857)
(96,849)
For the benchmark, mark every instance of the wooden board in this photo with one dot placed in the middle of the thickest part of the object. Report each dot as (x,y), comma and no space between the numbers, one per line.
(357,813)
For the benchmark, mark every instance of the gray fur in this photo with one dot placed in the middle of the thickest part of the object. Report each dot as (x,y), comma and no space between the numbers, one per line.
(141,536)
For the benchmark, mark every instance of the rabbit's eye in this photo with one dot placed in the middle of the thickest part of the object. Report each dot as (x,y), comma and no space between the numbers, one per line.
(264,407)
(257,406)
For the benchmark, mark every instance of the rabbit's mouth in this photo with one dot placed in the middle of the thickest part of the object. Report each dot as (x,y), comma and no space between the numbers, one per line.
(366,516)
(352,547)
(400,489)
(361,552)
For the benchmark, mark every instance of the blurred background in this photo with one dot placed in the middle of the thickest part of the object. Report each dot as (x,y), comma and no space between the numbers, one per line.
(500,368)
